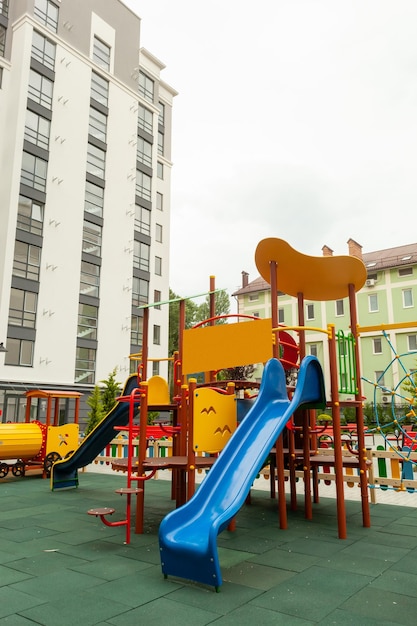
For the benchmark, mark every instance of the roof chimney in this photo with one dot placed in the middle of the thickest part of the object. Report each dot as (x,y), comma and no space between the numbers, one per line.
(355,248)
(327,251)
(245,279)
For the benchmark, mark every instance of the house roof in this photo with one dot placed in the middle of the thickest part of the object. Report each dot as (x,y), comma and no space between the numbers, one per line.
(390,257)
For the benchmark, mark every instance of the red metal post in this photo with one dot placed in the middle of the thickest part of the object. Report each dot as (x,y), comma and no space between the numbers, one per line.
(366,515)
(282,505)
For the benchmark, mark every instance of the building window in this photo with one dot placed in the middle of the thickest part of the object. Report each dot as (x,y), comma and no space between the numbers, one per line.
(90,279)
(310,312)
(157,298)
(47,13)
(144,152)
(143,185)
(140,291)
(34,171)
(2,40)
(96,161)
(254,297)
(408,298)
(40,89)
(30,216)
(160,170)
(377,345)
(37,130)
(156,335)
(313,350)
(281,316)
(255,314)
(101,53)
(85,365)
(155,368)
(92,238)
(4,7)
(158,233)
(136,330)
(379,378)
(27,261)
(141,255)
(158,266)
(99,89)
(22,311)
(87,321)
(94,199)
(1,76)
(412,342)
(145,119)
(161,143)
(373,303)
(340,308)
(43,50)
(405,271)
(142,220)
(19,352)
(161,116)
(146,86)
(159,201)
(97,125)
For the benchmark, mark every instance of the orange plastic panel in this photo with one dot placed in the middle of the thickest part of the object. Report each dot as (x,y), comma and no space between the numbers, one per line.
(317,278)
(215,420)
(226,345)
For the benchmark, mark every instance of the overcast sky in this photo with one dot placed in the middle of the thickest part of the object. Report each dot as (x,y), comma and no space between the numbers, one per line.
(295,119)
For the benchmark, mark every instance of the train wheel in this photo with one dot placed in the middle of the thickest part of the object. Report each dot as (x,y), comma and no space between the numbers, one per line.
(49,460)
(18,469)
(4,470)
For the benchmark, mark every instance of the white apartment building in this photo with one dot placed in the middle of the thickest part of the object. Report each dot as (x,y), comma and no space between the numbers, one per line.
(85,162)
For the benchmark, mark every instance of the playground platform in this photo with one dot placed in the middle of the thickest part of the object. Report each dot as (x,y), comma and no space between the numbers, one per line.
(59,565)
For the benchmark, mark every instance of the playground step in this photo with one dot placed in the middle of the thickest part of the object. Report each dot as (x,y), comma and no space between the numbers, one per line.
(99,512)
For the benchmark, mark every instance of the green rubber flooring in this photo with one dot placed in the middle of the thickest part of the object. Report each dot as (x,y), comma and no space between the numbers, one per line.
(62,567)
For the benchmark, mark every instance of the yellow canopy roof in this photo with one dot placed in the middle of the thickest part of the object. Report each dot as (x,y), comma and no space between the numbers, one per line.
(317,278)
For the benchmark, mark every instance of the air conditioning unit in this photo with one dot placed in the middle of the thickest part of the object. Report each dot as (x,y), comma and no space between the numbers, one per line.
(370,282)
(385,399)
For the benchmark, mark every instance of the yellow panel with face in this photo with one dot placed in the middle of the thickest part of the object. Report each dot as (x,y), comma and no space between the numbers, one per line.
(215,419)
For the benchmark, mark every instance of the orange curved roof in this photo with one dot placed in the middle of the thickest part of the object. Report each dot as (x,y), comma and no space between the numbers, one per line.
(317,278)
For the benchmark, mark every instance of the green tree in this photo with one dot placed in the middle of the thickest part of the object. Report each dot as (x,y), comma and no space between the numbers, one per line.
(110,391)
(96,414)
(222,307)
(174,319)
(241,372)
(410,385)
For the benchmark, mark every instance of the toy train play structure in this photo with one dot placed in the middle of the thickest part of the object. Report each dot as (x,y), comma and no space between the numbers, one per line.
(37,444)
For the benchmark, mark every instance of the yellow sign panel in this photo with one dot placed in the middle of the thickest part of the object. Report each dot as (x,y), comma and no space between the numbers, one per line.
(62,439)
(215,419)
(226,345)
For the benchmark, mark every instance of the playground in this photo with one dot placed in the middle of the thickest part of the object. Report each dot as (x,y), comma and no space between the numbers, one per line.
(228,435)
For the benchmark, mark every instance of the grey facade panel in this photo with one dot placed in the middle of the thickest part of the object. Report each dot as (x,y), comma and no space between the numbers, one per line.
(118,16)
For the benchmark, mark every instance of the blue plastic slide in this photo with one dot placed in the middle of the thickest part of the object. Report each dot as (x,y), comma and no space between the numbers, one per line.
(188,535)
(64,473)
